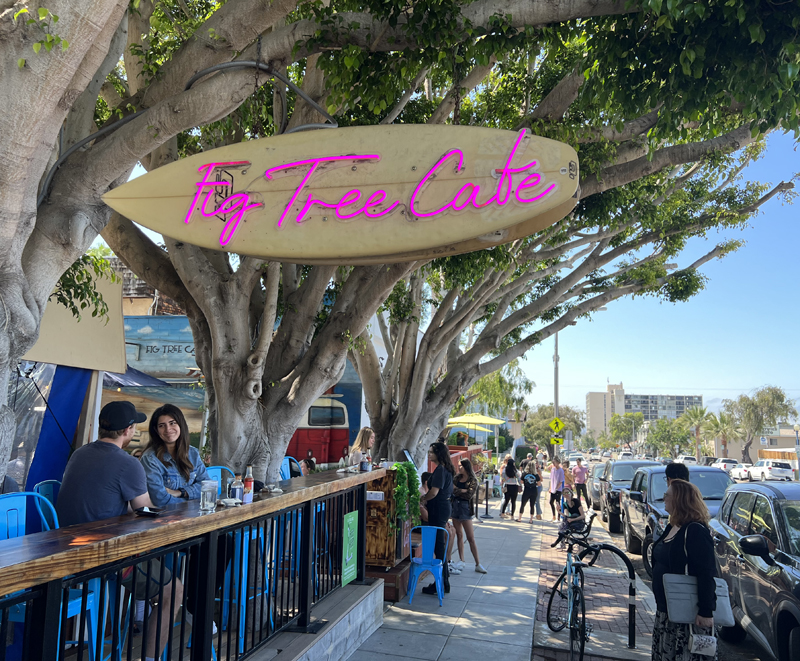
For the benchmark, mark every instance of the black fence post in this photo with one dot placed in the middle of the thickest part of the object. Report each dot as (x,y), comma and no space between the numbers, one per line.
(203,636)
(486,515)
(42,628)
(361,574)
(306,565)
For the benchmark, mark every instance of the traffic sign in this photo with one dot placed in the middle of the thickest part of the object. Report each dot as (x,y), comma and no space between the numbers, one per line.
(763,440)
(556,440)
(557,425)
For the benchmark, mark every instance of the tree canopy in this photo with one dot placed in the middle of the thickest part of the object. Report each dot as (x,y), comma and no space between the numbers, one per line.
(668,438)
(536,428)
(623,428)
(751,414)
(666,103)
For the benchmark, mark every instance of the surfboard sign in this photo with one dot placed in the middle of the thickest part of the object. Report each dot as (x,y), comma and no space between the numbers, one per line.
(359,195)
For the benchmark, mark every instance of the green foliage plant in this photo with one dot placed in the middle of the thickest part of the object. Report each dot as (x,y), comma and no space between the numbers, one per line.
(406,493)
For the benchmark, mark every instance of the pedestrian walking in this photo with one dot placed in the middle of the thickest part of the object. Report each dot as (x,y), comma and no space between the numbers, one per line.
(531,484)
(511,484)
(525,462)
(556,486)
(540,459)
(569,481)
(579,473)
(437,501)
(465,485)
(684,547)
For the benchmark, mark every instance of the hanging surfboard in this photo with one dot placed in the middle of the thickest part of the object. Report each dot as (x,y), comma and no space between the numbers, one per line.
(359,195)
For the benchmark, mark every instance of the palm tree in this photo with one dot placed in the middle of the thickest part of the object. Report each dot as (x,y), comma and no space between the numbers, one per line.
(694,417)
(724,427)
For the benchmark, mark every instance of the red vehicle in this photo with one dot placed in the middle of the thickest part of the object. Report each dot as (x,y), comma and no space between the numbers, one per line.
(325,432)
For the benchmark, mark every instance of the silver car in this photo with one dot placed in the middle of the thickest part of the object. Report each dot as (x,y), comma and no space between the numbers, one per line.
(593,484)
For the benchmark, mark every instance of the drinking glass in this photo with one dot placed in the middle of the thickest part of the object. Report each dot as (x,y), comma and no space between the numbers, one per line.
(208,495)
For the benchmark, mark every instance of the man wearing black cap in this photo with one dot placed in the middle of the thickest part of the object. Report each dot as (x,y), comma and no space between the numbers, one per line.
(100,482)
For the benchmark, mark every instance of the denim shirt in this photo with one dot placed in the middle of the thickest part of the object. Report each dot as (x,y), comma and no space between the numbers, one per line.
(161,477)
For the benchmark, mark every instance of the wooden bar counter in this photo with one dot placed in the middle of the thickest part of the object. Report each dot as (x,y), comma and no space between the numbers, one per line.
(42,557)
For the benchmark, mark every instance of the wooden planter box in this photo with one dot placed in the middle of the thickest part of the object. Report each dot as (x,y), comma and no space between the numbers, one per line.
(395,580)
(386,546)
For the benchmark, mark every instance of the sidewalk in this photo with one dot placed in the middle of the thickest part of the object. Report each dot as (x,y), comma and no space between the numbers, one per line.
(503,613)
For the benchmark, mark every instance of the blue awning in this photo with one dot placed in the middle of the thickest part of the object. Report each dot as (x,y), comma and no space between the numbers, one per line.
(132,378)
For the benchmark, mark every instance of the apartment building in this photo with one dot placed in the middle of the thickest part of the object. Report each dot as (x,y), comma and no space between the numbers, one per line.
(600,406)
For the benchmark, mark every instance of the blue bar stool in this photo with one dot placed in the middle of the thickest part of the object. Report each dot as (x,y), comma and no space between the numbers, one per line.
(13,510)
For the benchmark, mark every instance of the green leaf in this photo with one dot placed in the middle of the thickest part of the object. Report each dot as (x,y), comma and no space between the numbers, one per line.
(54,17)
(21,11)
(64,44)
(37,46)
(655,5)
(756,33)
(349,61)
(43,13)
(48,46)
(21,62)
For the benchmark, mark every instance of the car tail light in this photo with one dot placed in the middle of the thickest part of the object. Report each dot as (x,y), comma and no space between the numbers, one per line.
(769,468)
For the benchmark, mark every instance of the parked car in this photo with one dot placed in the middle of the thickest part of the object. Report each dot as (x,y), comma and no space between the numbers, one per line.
(595,456)
(642,506)
(725,464)
(664,460)
(708,461)
(593,485)
(757,546)
(741,471)
(616,477)
(768,469)
(687,459)
(625,455)
(607,454)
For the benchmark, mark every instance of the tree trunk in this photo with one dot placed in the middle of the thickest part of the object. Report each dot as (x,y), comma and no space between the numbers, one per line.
(746,449)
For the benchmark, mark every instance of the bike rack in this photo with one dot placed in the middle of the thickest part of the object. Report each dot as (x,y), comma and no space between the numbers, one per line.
(631,586)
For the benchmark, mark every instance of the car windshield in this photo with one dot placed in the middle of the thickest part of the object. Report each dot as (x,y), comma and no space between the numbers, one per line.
(781,464)
(790,509)
(624,472)
(712,484)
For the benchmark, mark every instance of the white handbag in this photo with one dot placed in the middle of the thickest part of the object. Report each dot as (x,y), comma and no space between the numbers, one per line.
(701,644)
(681,594)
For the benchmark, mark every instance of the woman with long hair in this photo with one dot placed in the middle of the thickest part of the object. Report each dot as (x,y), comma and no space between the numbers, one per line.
(362,445)
(556,485)
(437,501)
(531,483)
(510,487)
(685,545)
(174,468)
(465,485)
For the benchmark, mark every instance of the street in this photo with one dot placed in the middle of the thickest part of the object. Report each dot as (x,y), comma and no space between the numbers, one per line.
(747,650)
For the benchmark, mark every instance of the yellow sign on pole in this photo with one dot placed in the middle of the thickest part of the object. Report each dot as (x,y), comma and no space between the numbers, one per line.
(557,425)
(556,440)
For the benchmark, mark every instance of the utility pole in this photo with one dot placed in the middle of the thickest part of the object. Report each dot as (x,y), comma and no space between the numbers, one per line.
(555,396)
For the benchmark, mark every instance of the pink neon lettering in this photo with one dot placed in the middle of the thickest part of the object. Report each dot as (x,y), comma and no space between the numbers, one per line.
(310,201)
(236,204)
(505,185)
(204,182)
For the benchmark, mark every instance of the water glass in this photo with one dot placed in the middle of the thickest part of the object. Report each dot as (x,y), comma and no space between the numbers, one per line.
(208,495)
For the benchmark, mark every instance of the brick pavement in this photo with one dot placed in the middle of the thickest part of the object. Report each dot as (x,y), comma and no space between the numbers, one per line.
(606,594)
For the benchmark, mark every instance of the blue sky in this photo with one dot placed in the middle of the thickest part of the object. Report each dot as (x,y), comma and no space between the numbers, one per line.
(739,334)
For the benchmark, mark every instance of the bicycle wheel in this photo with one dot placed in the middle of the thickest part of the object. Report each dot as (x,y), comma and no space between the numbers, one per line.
(558,605)
(577,625)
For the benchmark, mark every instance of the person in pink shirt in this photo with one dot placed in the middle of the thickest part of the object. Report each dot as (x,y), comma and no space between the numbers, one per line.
(579,473)
(556,486)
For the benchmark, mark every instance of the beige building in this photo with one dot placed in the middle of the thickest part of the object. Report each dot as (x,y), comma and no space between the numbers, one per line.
(782,438)
(600,406)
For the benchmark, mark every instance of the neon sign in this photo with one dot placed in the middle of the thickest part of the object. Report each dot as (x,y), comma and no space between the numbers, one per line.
(527,189)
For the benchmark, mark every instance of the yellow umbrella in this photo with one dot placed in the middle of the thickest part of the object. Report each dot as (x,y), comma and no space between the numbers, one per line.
(475,418)
(470,425)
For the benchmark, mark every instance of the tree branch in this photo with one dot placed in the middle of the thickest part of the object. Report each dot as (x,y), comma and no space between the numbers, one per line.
(466,85)
(398,107)
(555,104)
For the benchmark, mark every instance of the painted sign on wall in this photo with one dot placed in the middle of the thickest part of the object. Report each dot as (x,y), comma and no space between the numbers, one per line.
(359,195)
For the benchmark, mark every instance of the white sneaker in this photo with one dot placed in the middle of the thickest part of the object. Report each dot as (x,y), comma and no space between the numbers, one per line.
(460,564)
(480,569)
(188,618)
(453,569)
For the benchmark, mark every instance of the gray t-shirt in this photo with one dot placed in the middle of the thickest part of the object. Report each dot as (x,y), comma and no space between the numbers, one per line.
(99,480)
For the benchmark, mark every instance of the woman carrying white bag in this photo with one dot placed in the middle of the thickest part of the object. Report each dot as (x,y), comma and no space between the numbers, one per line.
(683,564)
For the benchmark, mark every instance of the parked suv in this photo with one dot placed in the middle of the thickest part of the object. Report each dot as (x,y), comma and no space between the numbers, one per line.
(688,459)
(593,484)
(616,477)
(757,546)
(642,506)
(768,469)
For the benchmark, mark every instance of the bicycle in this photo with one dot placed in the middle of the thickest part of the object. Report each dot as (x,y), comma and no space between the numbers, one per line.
(566,604)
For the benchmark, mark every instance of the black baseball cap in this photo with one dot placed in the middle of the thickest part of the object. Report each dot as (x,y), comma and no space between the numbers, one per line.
(116,416)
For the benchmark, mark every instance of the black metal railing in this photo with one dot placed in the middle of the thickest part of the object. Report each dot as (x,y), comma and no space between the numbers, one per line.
(230,590)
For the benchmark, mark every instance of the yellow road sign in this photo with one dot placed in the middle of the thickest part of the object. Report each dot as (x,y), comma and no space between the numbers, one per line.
(556,440)
(557,425)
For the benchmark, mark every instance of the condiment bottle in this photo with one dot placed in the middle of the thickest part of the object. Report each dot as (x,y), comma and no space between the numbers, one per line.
(248,485)
(237,488)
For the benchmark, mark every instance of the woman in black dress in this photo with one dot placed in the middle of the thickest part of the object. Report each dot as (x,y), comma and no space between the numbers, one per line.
(687,529)
(437,501)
